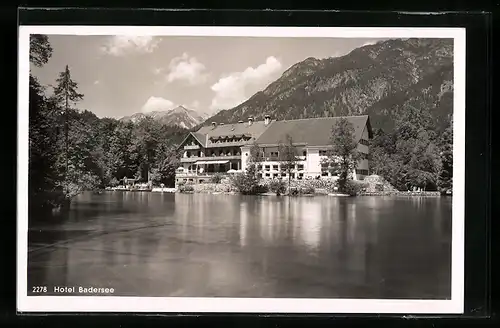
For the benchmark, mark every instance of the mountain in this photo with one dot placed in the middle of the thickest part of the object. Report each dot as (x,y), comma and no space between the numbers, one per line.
(179,116)
(381,80)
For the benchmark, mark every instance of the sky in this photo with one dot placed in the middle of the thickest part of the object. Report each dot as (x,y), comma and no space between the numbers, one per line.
(123,75)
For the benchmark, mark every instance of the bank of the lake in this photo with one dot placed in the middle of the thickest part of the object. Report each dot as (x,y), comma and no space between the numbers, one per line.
(172,244)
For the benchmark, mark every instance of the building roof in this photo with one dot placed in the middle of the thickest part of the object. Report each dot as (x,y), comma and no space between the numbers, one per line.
(253,131)
(310,131)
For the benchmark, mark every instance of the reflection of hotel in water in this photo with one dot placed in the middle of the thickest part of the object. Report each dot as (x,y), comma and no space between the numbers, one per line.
(311,225)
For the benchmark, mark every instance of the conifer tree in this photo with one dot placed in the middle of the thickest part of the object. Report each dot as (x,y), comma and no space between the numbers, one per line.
(65,95)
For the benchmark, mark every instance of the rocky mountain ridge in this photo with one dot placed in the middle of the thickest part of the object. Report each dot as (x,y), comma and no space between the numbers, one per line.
(382,80)
(179,116)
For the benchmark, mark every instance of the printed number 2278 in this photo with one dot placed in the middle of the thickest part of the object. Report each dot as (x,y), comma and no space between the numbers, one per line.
(39,289)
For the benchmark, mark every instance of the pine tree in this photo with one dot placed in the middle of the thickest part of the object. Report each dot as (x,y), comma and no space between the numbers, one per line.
(66,95)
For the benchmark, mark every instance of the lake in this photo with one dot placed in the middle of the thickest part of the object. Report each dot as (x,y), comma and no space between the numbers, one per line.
(154,244)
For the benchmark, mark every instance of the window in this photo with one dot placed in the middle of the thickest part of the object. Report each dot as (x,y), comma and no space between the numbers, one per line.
(323,153)
(274,154)
(275,167)
(304,153)
(267,167)
(324,173)
(300,167)
(362,172)
(268,174)
(301,176)
(259,167)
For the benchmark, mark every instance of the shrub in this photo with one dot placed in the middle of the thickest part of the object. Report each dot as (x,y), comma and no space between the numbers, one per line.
(217,178)
(293,191)
(278,187)
(260,189)
(308,190)
(186,188)
(247,183)
(353,188)
(114,182)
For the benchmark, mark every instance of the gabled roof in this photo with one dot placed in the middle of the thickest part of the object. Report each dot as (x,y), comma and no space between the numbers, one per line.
(311,131)
(253,130)
(198,137)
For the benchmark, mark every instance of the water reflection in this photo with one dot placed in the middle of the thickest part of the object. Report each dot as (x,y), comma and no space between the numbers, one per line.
(148,244)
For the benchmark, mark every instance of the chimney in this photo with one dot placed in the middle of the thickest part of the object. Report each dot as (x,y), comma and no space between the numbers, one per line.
(267,119)
(214,124)
(250,120)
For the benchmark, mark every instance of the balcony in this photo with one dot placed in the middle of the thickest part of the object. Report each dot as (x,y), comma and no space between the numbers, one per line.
(193,159)
(191,147)
(277,159)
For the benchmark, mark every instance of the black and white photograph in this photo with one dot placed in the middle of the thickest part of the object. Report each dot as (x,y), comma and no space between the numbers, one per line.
(241,169)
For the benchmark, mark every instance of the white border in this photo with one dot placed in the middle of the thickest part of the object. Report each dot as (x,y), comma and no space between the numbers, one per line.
(245,305)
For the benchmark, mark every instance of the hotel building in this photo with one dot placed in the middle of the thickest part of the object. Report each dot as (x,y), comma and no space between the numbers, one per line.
(225,148)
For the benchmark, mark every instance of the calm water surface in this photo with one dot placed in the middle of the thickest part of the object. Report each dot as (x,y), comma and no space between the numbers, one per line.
(152,244)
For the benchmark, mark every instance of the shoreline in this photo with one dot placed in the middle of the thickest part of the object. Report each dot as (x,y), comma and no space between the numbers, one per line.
(391,194)
(315,194)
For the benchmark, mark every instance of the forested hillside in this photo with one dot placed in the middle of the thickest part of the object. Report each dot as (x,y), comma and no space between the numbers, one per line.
(73,150)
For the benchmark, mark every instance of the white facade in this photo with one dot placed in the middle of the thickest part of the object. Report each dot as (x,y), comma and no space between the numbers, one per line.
(308,166)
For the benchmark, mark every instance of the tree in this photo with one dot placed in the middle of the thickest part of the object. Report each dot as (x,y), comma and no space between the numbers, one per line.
(287,157)
(247,183)
(43,152)
(40,49)
(445,180)
(65,92)
(43,174)
(65,95)
(148,136)
(256,154)
(166,163)
(343,153)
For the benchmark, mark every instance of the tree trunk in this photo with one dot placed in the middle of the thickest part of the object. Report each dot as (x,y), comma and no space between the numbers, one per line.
(66,137)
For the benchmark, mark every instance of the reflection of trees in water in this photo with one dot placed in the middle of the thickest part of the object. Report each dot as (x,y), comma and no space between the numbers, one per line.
(214,244)
(47,268)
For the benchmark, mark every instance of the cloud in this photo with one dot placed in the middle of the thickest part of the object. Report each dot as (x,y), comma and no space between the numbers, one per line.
(231,90)
(157,104)
(368,43)
(120,45)
(195,104)
(186,68)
